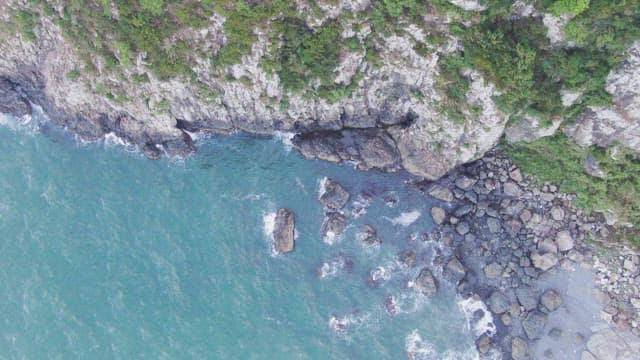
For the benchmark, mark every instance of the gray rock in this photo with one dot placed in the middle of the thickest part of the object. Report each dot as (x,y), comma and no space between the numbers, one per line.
(534,324)
(441,193)
(334,196)
(525,216)
(463,210)
(334,224)
(11,102)
(547,245)
(462,228)
(493,270)
(454,270)
(557,213)
(544,261)
(564,241)
(592,167)
(426,282)
(555,333)
(464,182)
(519,348)
(607,345)
(527,297)
(498,302)
(370,236)
(516,175)
(284,231)
(494,225)
(438,215)
(551,300)
(512,189)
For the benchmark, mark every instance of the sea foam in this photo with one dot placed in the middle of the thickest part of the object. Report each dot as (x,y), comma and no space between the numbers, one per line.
(406,218)
(483,325)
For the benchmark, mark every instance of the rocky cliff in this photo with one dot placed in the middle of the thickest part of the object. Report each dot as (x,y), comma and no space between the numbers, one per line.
(394,116)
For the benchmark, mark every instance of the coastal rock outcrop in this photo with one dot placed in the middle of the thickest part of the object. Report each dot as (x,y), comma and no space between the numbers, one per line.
(284,231)
(333,195)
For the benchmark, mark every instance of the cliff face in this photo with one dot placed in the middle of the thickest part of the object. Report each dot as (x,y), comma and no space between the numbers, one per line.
(393,118)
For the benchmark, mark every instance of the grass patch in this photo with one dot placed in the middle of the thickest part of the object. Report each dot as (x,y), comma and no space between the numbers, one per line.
(558,160)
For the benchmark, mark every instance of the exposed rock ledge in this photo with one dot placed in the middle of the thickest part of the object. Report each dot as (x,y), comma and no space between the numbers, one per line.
(393,119)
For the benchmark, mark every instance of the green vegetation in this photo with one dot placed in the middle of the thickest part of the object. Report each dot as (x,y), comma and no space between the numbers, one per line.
(306,55)
(27,22)
(557,159)
(73,75)
(573,7)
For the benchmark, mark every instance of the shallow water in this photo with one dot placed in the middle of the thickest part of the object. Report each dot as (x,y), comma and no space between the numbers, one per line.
(105,255)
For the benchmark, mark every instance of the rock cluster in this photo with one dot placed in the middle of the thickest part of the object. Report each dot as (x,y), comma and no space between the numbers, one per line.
(503,233)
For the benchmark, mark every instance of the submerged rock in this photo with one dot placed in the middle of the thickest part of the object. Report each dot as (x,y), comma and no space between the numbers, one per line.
(534,325)
(426,283)
(333,195)
(408,258)
(370,236)
(454,270)
(334,225)
(519,349)
(284,231)
(551,300)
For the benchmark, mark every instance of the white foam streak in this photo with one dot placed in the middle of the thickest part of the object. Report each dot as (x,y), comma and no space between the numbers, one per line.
(269,225)
(406,218)
(419,349)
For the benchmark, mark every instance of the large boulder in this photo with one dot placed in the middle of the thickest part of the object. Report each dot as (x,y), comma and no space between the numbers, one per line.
(426,282)
(284,231)
(564,241)
(544,261)
(527,298)
(333,195)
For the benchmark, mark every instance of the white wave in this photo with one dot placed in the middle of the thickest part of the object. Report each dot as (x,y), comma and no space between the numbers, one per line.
(25,123)
(285,138)
(419,349)
(381,273)
(111,138)
(269,225)
(322,188)
(253,197)
(348,322)
(330,238)
(405,218)
(485,324)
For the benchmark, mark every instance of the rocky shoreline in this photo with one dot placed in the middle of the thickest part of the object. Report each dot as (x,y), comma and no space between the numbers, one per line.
(524,257)
(510,236)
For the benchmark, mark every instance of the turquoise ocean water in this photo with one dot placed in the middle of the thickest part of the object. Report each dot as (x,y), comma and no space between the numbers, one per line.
(107,255)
